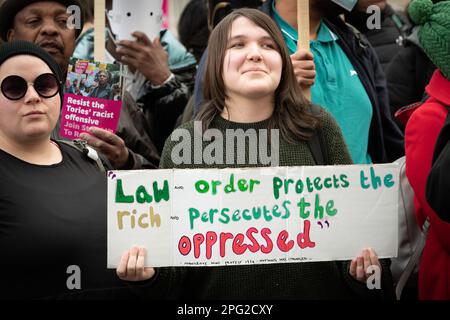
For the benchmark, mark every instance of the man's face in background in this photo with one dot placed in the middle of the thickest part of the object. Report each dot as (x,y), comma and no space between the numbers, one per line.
(102,78)
(45,24)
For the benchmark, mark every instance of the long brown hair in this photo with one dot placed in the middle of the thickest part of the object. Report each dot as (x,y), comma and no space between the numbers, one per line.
(291,114)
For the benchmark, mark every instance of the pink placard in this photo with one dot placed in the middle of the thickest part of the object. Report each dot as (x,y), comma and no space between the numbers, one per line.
(80,113)
(81,67)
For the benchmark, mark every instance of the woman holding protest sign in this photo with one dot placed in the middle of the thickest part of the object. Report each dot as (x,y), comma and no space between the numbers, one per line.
(52,196)
(250,84)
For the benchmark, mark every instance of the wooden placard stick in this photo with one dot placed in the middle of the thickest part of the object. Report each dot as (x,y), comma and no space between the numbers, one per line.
(303,32)
(99,30)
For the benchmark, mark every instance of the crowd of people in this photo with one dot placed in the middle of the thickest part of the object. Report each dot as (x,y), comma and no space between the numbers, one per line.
(237,66)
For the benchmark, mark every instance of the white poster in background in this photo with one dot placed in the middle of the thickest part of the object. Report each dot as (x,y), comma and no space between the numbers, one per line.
(213,217)
(128,16)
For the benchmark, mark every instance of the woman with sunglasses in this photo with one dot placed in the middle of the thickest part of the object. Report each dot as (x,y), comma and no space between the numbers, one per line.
(52,198)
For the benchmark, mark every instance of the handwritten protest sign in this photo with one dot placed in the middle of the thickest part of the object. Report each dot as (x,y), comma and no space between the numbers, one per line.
(212,217)
(92,98)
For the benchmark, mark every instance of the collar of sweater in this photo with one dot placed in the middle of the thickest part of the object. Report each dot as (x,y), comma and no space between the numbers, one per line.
(222,123)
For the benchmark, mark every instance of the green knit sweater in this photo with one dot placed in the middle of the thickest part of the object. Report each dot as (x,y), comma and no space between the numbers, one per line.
(297,154)
(310,280)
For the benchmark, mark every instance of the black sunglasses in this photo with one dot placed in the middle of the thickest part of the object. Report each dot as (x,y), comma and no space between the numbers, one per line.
(15,87)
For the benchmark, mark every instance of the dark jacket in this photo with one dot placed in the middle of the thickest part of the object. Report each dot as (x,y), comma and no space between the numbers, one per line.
(102,92)
(385,139)
(162,106)
(408,74)
(134,131)
(386,40)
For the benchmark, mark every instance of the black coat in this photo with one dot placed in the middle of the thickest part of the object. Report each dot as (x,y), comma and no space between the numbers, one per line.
(438,179)
(163,106)
(408,74)
(388,39)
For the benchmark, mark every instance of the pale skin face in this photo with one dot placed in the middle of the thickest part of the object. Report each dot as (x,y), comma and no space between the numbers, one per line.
(252,66)
(45,24)
(32,117)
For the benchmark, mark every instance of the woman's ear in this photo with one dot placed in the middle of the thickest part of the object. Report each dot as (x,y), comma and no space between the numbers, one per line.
(10,35)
